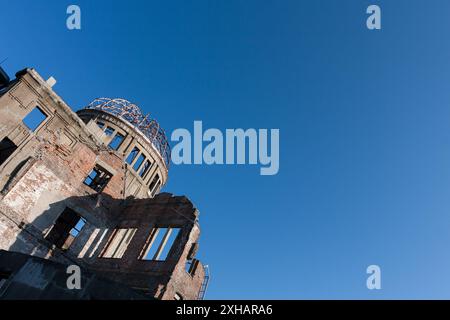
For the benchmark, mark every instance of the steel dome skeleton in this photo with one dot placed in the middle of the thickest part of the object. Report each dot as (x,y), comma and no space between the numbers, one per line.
(131,113)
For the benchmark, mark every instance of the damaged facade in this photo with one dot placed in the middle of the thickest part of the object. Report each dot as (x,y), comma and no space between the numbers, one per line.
(83,188)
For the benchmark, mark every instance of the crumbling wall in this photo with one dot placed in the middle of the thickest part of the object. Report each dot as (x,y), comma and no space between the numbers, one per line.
(166,277)
(45,175)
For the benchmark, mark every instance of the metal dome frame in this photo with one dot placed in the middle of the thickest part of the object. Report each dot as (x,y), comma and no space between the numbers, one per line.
(132,114)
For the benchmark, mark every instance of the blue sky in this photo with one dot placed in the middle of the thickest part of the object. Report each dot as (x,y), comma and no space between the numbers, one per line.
(364,119)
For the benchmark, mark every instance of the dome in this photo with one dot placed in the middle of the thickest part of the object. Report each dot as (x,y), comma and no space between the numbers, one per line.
(131,113)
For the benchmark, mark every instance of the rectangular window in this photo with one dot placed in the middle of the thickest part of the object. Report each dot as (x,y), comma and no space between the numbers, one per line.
(77,229)
(191,266)
(66,229)
(7,148)
(153,183)
(138,162)
(100,124)
(109,131)
(132,155)
(116,141)
(159,243)
(4,276)
(178,296)
(118,243)
(145,168)
(34,119)
(156,190)
(187,266)
(98,178)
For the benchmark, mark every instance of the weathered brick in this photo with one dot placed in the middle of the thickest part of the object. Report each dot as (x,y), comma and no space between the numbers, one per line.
(45,174)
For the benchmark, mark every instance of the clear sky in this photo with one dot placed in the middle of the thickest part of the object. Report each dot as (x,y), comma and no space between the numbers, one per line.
(364,119)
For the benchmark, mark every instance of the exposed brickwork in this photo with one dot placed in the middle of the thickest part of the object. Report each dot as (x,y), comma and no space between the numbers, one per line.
(45,174)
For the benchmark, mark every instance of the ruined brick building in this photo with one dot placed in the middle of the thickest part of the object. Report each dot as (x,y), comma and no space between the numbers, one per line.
(82,188)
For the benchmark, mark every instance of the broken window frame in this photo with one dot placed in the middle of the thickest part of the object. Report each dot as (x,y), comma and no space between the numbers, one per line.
(145,168)
(101,125)
(116,141)
(30,119)
(98,181)
(164,245)
(75,231)
(109,131)
(61,233)
(118,243)
(140,160)
(153,183)
(156,190)
(133,154)
(178,297)
(191,267)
